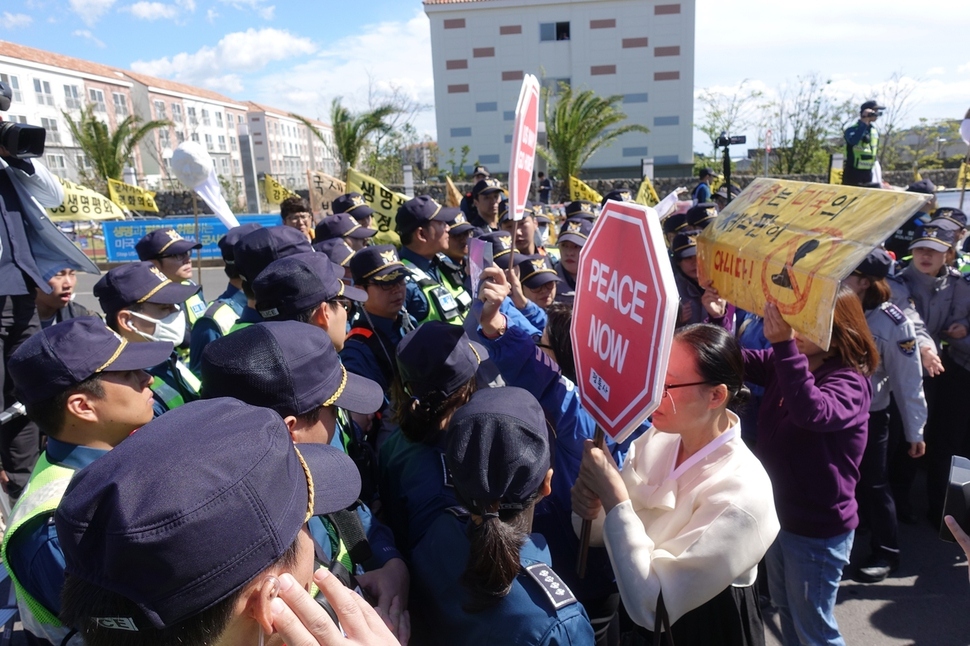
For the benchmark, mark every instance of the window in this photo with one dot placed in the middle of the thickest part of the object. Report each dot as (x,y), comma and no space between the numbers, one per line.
(53,136)
(225,165)
(81,161)
(121,105)
(195,135)
(72,97)
(56,162)
(229,119)
(164,139)
(177,112)
(160,110)
(14,84)
(205,118)
(97,98)
(222,143)
(219,119)
(180,136)
(13,118)
(208,139)
(193,121)
(549,31)
(235,166)
(43,91)
(232,143)
(554,85)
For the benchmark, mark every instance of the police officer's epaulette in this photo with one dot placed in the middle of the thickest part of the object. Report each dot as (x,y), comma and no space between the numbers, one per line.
(953,271)
(554,588)
(458,511)
(893,313)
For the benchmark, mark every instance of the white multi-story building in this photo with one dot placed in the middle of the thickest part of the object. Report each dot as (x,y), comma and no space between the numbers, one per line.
(285,148)
(640,49)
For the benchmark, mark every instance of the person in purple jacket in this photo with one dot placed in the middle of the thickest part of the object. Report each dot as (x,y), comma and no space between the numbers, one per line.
(812,432)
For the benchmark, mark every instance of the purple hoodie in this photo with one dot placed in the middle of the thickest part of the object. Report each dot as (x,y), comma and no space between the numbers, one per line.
(812,431)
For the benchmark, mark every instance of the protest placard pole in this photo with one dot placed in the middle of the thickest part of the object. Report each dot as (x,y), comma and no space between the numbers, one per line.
(599,440)
(198,252)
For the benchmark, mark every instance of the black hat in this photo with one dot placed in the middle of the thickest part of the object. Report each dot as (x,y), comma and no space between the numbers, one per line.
(481,170)
(575,230)
(420,210)
(335,249)
(949,218)
(259,248)
(935,238)
(64,355)
(437,358)
(288,366)
(354,204)
(484,186)
(683,246)
(877,264)
(723,192)
(618,195)
(234,235)
(581,209)
(536,271)
(139,282)
(341,225)
(379,264)
(296,283)
(505,215)
(177,541)
(675,222)
(501,242)
(706,172)
(163,242)
(924,186)
(871,105)
(701,215)
(498,449)
(459,224)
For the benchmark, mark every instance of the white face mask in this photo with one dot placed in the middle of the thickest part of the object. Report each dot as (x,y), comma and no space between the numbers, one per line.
(171,328)
(544,235)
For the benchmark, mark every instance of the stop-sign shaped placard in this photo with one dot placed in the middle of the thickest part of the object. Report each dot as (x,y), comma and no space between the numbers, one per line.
(524,139)
(623,318)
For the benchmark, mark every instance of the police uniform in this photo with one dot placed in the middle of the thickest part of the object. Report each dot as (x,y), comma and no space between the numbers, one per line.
(341,225)
(861,149)
(173,385)
(691,293)
(575,229)
(483,187)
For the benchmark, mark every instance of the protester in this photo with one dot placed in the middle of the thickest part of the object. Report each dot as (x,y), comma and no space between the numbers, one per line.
(87,390)
(811,436)
(58,305)
(295,213)
(862,147)
(480,575)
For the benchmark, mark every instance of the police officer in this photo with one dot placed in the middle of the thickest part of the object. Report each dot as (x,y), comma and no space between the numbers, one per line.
(527,240)
(953,220)
(580,209)
(572,236)
(480,577)
(141,304)
(534,285)
(459,231)
(423,226)
(294,370)
(356,206)
(338,252)
(223,312)
(699,216)
(862,146)
(697,305)
(672,225)
(343,225)
(617,195)
(486,195)
(87,389)
(900,373)
(898,243)
(466,205)
(172,255)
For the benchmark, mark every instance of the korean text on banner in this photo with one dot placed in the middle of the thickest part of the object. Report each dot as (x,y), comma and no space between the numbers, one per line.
(524,138)
(453,195)
(131,197)
(275,192)
(324,189)
(647,194)
(81,203)
(578,190)
(120,237)
(384,202)
(792,243)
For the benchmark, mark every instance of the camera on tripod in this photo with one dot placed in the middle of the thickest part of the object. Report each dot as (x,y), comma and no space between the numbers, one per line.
(19,139)
(724,140)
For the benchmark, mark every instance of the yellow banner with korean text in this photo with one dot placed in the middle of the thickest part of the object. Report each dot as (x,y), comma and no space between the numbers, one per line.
(792,243)
(274,191)
(324,189)
(384,201)
(82,203)
(131,197)
(579,190)
(453,198)
(963,177)
(647,194)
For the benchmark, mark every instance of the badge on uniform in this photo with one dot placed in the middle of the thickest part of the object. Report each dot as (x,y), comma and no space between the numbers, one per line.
(554,588)
(908,347)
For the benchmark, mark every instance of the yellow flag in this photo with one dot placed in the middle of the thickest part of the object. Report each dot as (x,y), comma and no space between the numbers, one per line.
(81,203)
(324,189)
(917,176)
(835,176)
(647,195)
(131,197)
(963,179)
(384,201)
(275,192)
(578,190)
(453,198)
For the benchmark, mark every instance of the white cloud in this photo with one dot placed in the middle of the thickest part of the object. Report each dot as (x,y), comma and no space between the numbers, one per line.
(211,15)
(87,35)
(936,71)
(91,10)
(259,7)
(218,67)
(963,69)
(14,20)
(153,11)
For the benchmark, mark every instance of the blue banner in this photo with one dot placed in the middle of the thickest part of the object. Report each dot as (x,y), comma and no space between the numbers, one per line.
(120,236)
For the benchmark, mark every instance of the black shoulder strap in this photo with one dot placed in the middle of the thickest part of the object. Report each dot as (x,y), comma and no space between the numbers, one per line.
(661,626)
(376,346)
(351,532)
(555,589)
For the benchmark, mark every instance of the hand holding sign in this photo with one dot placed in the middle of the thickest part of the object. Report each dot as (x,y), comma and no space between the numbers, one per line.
(776,330)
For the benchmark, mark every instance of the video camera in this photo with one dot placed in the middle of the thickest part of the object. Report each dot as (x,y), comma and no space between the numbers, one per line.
(19,139)
(724,140)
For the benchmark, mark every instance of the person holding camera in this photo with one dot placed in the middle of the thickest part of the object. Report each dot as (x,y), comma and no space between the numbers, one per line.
(862,147)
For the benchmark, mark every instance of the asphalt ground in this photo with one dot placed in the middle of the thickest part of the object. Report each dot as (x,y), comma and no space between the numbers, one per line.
(924,603)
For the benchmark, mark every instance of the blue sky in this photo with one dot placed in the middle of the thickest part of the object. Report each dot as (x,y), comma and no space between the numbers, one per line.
(298,55)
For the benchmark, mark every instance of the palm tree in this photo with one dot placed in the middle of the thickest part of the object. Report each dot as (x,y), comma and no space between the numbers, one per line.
(579,124)
(351,131)
(108,151)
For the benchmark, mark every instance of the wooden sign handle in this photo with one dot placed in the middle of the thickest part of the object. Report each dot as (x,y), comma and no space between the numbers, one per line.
(599,439)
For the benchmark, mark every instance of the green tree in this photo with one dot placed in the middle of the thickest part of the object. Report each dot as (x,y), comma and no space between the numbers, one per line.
(351,131)
(730,111)
(579,124)
(108,151)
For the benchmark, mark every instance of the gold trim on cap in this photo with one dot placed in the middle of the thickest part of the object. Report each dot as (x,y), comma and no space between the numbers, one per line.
(396,263)
(154,291)
(309,484)
(477,356)
(536,273)
(340,389)
(114,357)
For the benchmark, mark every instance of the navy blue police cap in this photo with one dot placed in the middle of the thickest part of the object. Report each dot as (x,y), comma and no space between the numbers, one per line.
(341,225)
(163,242)
(437,358)
(354,204)
(924,186)
(177,541)
(505,215)
(877,264)
(949,218)
(935,238)
(336,249)
(683,246)
(419,211)
(377,264)
(618,195)
(536,271)
(575,230)
(296,283)
(581,209)
(288,366)
(675,222)
(700,215)
(234,235)
(499,449)
(64,355)
(501,242)
(486,186)
(257,249)
(459,224)
(139,282)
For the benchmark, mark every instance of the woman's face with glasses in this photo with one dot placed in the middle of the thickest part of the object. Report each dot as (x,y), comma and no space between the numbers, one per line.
(685,392)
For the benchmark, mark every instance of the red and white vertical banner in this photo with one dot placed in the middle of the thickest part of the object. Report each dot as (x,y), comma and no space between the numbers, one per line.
(524,140)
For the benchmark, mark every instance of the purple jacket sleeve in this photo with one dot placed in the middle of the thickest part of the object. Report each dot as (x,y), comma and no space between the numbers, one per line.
(757,365)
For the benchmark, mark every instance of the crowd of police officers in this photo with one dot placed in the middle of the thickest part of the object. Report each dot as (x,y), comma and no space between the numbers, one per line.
(374,351)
